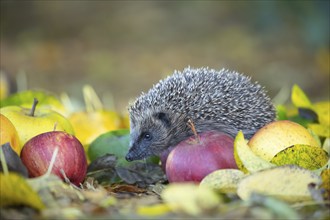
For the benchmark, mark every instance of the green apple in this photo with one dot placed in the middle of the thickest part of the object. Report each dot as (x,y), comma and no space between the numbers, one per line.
(31,122)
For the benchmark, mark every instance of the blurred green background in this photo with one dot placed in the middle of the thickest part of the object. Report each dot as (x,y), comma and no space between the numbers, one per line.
(122,48)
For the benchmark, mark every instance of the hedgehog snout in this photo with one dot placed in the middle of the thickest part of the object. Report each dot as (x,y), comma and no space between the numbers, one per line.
(129,157)
(131,153)
(134,152)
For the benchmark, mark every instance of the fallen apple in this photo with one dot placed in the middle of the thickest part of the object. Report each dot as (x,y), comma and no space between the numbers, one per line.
(38,151)
(194,158)
(9,134)
(34,121)
(46,100)
(277,136)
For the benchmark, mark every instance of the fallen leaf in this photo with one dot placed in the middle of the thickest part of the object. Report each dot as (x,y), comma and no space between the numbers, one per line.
(13,161)
(245,159)
(325,167)
(281,112)
(95,195)
(103,162)
(288,183)
(224,180)
(325,175)
(322,109)
(153,210)
(108,201)
(299,98)
(126,188)
(309,157)
(281,209)
(190,199)
(141,174)
(326,145)
(308,114)
(16,191)
(320,129)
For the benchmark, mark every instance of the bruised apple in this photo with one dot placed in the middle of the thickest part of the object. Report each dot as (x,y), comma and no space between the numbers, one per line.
(194,158)
(38,151)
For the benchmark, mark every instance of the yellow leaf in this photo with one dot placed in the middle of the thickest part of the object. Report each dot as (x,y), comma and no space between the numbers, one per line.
(189,198)
(320,129)
(309,157)
(245,159)
(319,171)
(289,183)
(154,210)
(326,145)
(299,98)
(325,175)
(14,190)
(322,110)
(224,180)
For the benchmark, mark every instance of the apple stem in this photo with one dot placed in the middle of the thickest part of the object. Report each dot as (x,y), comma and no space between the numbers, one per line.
(34,105)
(192,127)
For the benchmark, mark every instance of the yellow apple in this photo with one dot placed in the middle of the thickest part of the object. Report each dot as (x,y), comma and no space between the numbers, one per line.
(89,125)
(95,120)
(125,121)
(277,136)
(31,122)
(9,134)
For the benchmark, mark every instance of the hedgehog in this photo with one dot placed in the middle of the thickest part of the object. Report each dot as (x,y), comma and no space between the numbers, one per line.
(224,101)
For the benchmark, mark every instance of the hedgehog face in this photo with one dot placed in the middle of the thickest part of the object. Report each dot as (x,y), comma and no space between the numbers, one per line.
(149,136)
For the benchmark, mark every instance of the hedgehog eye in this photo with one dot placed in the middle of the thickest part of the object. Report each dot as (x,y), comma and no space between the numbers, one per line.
(147,136)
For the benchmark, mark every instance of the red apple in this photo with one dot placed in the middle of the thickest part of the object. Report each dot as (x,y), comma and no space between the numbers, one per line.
(38,151)
(192,159)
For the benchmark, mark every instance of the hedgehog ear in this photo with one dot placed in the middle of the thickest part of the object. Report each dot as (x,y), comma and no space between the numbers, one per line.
(163,117)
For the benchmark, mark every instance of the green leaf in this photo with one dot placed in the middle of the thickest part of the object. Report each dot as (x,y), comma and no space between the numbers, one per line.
(299,98)
(281,112)
(15,190)
(309,157)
